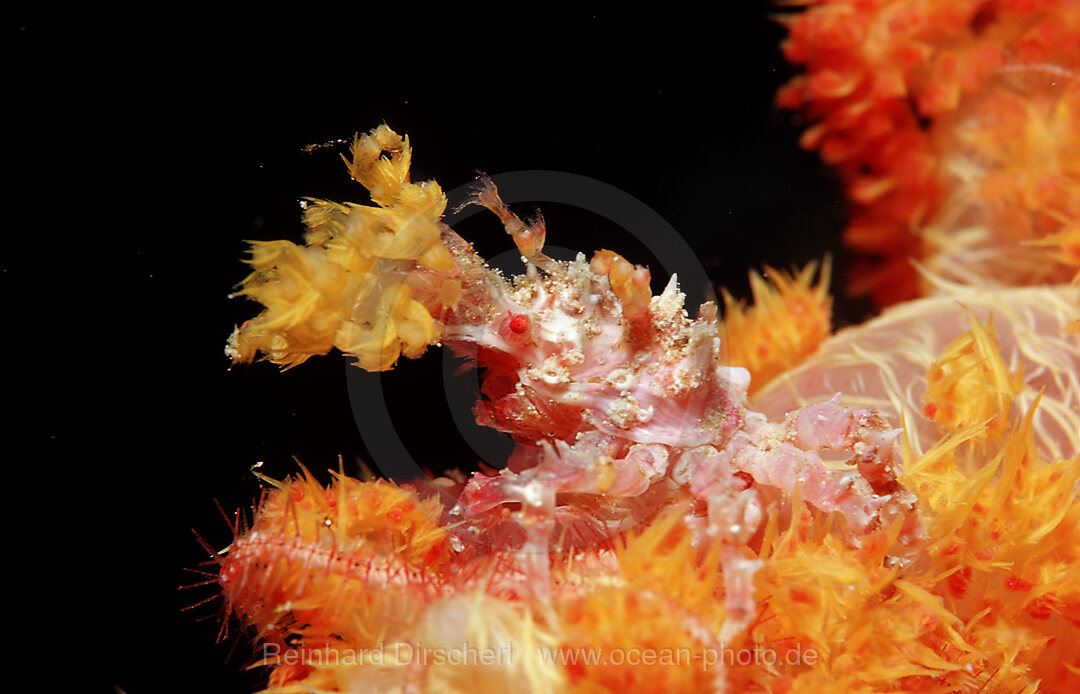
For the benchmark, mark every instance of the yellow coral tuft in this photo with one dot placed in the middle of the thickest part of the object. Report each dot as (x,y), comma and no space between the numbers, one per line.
(1004,525)
(1005,530)
(647,627)
(988,602)
(304,293)
(349,286)
(970,384)
(858,625)
(789,319)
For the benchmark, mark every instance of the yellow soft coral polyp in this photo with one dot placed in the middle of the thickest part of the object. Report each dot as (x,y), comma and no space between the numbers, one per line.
(970,384)
(1004,525)
(347,286)
(789,318)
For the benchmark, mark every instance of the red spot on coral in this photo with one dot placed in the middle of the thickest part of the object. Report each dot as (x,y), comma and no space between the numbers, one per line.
(575,670)
(1014,582)
(1044,606)
(800,596)
(1071,611)
(958,582)
(917,684)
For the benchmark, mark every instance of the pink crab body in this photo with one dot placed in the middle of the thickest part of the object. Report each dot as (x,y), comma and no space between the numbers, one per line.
(609,394)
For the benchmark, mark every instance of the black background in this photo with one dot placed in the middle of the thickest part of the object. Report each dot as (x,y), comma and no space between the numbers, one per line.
(147,146)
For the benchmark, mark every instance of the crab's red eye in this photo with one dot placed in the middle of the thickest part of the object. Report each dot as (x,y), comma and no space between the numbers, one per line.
(518,324)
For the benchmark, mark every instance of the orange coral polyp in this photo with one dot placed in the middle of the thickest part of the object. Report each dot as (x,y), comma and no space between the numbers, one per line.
(789,318)
(1009,158)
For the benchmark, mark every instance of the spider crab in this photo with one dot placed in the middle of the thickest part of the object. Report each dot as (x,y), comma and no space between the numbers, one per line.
(609,392)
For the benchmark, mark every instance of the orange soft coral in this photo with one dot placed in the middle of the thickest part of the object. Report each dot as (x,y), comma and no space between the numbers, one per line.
(1004,529)
(872,625)
(989,600)
(651,625)
(878,72)
(790,316)
(987,604)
